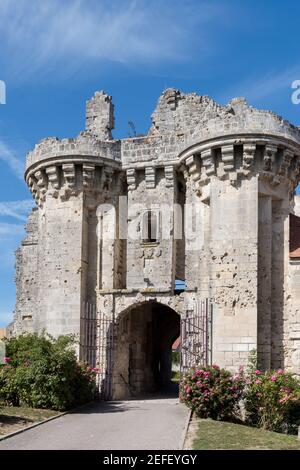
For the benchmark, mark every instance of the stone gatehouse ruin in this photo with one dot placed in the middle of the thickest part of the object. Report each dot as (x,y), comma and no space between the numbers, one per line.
(207,197)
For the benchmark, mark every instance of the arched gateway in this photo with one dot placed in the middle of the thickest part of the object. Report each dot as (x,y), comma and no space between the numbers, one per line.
(131,348)
(206,196)
(142,354)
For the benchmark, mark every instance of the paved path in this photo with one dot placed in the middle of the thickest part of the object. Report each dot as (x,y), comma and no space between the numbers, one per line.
(137,424)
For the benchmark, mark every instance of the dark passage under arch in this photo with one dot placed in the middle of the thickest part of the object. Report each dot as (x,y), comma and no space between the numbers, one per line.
(143,350)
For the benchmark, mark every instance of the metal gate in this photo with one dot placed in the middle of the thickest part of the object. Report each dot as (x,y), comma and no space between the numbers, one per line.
(98,334)
(97,345)
(196,335)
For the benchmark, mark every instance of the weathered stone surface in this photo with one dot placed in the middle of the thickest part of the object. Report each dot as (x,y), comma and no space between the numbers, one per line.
(237,166)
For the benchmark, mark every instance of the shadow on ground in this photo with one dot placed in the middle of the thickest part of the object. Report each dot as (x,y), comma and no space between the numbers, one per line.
(10,420)
(119,406)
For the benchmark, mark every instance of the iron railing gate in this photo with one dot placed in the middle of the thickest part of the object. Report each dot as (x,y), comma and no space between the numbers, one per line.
(196,335)
(96,346)
(98,335)
(106,333)
(89,333)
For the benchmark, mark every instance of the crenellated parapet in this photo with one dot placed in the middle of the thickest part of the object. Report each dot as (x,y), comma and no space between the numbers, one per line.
(229,142)
(193,118)
(61,173)
(63,180)
(85,145)
(66,167)
(273,160)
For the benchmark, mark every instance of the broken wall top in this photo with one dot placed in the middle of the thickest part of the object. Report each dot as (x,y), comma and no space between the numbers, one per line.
(179,121)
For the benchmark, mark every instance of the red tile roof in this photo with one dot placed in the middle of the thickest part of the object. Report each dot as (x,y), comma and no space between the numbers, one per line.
(2,332)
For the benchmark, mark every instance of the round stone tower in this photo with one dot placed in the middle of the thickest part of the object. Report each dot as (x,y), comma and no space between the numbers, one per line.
(231,173)
(58,269)
(242,166)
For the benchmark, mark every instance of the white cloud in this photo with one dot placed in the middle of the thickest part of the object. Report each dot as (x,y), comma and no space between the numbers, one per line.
(9,231)
(271,84)
(39,35)
(16,209)
(8,155)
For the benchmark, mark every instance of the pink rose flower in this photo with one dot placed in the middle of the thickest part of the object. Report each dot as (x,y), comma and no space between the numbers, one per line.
(7,360)
(280,372)
(258,381)
(257,372)
(273,378)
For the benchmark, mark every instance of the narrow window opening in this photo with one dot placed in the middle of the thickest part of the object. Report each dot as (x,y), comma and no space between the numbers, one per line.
(150,227)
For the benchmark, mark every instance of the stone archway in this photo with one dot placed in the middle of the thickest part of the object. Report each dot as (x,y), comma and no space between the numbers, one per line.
(144,336)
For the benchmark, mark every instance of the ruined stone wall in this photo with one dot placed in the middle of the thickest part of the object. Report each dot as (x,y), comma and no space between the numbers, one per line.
(150,264)
(292,305)
(238,166)
(179,226)
(264,281)
(292,318)
(62,261)
(233,270)
(280,273)
(100,116)
(243,192)
(26,314)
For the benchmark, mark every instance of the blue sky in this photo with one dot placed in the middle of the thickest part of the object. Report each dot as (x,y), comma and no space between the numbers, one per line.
(55,53)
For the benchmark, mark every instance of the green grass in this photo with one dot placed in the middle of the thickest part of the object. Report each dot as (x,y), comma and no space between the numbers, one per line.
(216,435)
(13,418)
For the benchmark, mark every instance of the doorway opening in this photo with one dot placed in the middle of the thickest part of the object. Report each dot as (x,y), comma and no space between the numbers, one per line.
(145,334)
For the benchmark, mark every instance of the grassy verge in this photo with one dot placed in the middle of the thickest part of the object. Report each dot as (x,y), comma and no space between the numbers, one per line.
(216,435)
(14,418)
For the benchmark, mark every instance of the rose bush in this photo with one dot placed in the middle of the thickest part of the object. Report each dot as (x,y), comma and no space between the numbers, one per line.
(272,400)
(212,392)
(43,372)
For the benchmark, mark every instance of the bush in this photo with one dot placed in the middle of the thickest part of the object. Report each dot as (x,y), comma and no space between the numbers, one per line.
(212,392)
(43,372)
(272,401)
